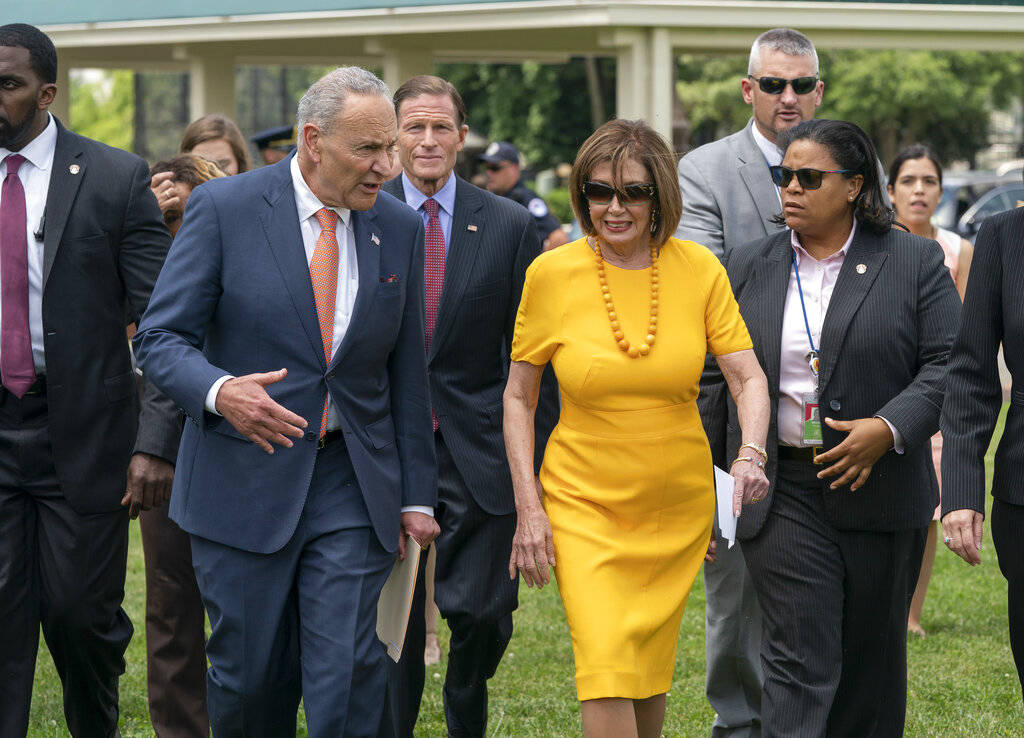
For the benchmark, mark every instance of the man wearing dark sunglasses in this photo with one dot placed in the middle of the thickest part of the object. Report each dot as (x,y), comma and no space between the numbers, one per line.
(728,201)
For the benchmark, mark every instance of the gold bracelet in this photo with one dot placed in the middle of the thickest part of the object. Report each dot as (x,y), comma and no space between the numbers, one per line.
(759,450)
(756,462)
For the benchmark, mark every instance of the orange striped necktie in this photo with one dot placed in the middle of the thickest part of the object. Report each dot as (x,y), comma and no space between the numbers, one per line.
(323,272)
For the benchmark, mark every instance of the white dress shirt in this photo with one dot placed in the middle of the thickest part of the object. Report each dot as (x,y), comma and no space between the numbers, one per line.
(307,205)
(35,179)
(818,280)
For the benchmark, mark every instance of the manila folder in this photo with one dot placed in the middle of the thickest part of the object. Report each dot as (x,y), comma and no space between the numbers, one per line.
(396,600)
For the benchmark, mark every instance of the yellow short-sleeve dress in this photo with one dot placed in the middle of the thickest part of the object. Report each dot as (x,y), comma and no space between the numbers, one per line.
(627,473)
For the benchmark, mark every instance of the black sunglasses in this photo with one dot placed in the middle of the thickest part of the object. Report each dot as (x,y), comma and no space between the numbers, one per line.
(494,167)
(777,85)
(809,179)
(598,193)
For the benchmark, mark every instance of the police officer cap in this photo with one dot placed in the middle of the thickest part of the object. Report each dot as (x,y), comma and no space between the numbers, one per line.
(498,152)
(278,137)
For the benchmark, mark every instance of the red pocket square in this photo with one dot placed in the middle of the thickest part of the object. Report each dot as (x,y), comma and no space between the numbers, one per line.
(389,278)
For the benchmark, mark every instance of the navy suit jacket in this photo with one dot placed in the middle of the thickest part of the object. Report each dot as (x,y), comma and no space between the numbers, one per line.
(235,297)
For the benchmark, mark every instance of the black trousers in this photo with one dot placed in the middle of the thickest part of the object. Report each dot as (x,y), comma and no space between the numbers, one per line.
(835,605)
(175,631)
(474,595)
(59,569)
(1008,536)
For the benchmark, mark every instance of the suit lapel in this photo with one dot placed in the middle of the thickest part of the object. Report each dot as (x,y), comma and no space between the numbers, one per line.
(779,264)
(754,172)
(369,240)
(280,222)
(462,250)
(861,266)
(61,194)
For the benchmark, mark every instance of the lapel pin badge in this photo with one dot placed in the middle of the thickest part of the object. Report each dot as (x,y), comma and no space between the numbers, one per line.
(471,227)
(374,239)
(861,268)
(74,169)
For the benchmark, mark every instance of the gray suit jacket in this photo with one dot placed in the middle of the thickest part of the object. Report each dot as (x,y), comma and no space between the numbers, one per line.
(728,195)
(884,345)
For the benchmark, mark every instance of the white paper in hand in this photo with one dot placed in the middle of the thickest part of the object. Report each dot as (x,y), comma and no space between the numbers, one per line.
(396,600)
(724,484)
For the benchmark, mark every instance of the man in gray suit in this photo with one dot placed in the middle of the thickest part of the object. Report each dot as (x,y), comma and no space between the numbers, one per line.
(728,201)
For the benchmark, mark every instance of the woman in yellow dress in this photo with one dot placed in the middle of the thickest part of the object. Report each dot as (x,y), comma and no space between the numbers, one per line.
(625,497)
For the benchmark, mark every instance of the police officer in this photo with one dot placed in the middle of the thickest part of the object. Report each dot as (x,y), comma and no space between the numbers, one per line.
(275,143)
(501,161)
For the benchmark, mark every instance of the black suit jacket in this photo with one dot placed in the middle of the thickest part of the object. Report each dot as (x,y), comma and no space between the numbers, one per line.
(993,313)
(104,242)
(884,345)
(493,241)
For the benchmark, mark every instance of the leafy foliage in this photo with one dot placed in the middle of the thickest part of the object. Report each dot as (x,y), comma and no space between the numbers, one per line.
(544,109)
(104,108)
(943,98)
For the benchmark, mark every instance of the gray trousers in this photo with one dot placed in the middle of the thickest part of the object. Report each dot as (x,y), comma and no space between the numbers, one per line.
(732,644)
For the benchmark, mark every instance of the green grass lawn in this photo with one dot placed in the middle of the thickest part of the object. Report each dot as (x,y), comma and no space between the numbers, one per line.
(962,678)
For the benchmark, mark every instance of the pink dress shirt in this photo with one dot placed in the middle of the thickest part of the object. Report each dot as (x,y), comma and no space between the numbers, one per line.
(818,279)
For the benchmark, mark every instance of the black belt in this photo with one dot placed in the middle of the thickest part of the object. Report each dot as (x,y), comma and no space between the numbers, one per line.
(38,388)
(798,453)
(329,437)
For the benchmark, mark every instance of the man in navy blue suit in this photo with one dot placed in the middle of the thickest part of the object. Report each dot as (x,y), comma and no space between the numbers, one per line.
(288,324)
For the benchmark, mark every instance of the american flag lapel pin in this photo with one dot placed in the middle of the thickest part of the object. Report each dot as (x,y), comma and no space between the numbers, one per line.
(471,227)
(374,239)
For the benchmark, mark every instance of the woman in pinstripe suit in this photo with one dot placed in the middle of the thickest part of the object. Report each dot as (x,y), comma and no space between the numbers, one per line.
(851,321)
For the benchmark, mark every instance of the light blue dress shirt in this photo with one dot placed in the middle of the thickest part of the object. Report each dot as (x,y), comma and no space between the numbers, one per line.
(445,197)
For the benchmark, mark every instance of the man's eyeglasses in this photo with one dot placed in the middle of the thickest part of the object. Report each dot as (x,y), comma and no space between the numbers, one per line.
(809,179)
(598,193)
(777,85)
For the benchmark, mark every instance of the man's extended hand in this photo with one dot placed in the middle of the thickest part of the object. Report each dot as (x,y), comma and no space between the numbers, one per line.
(245,404)
(422,527)
(148,485)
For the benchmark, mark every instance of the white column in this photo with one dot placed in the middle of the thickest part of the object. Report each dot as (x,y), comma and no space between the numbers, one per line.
(61,106)
(211,85)
(662,83)
(633,71)
(401,64)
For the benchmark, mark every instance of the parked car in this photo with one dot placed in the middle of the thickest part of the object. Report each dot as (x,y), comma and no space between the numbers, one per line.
(996,200)
(962,189)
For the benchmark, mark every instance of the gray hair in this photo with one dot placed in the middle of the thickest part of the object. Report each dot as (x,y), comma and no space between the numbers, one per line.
(325,97)
(786,40)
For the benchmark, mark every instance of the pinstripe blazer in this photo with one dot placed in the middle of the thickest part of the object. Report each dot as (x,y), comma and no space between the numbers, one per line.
(993,313)
(884,345)
(493,240)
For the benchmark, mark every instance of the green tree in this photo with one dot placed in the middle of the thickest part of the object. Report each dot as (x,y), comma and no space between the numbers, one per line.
(544,109)
(104,109)
(943,99)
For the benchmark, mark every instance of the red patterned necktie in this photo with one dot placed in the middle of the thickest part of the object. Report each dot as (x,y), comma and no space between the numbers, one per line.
(323,272)
(17,368)
(433,277)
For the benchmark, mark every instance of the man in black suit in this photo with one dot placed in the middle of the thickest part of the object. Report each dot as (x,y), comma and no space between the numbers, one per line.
(81,244)
(993,314)
(478,248)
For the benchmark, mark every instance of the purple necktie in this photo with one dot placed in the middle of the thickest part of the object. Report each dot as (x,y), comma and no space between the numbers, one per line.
(16,366)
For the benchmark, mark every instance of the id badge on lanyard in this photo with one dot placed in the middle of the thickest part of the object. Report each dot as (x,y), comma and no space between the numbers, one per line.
(809,401)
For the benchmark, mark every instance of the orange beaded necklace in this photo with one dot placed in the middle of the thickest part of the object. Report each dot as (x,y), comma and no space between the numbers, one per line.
(633,351)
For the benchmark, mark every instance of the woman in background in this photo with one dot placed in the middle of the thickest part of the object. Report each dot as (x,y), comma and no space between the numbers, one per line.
(915,188)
